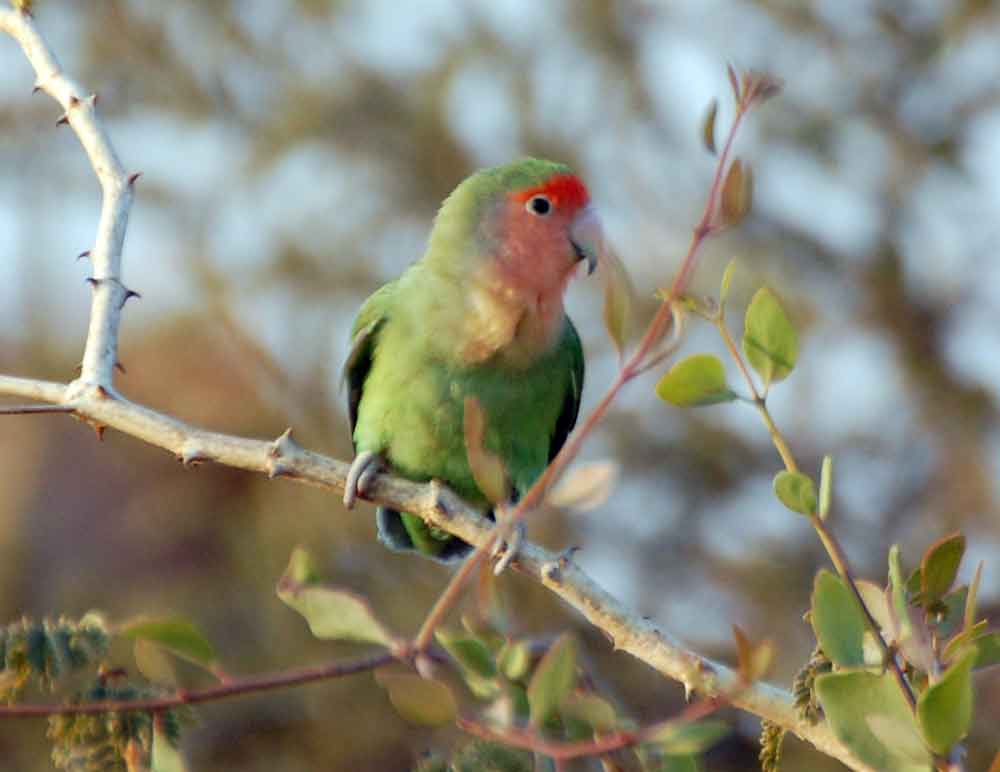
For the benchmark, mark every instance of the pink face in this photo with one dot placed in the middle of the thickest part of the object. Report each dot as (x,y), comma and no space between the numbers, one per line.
(538,252)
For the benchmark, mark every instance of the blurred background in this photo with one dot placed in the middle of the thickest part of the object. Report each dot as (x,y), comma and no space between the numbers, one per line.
(293,155)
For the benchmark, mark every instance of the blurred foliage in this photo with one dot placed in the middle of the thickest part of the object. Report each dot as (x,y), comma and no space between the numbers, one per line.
(293,156)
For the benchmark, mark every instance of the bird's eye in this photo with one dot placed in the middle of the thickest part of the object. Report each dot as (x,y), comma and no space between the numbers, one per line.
(539,205)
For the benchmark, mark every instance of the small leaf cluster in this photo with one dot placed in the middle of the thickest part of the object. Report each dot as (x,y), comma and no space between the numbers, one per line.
(108,741)
(517,686)
(930,624)
(44,651)
(770,345)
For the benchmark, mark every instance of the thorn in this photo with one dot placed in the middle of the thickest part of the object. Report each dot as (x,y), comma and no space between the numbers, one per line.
(93,100)
(439,499)
(566,556)
(93,281)
(133,177)
(101,392)
(120,368)
(64,118)
(191,455)
(73,102)
(79,368)
(275,468)
(36,88)
(129,294)
(551,572)
(99,428)
(85,253)
(285,445)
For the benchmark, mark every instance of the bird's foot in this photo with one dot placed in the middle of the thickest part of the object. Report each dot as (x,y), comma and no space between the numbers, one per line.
(363,469)
(510,537)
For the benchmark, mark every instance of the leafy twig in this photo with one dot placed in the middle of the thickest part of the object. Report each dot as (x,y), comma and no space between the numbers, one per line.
(232,688)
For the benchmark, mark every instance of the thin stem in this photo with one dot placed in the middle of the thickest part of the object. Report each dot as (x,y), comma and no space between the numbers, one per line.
(830,544)
(776,436)
(233,688)
(450,596)
(564,751)
(839,560)
(734,352)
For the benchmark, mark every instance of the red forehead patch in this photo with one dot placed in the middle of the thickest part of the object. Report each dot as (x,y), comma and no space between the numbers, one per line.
(563,190)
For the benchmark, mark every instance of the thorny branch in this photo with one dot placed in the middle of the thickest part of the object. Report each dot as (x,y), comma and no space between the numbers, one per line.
(92,397)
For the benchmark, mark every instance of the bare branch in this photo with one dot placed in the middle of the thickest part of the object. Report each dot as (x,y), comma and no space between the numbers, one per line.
(79,106)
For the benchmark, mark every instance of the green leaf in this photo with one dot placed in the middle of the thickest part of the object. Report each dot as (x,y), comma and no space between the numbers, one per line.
(677,764)
(553,679)
(837,620)
(907,627)
(754,660)
(165,757)
(424,701)
(588,708)
(945,708)
(875,601)
(769,339)
(472,654)
(155,663)
(939,566)
(969,619)
(619,298)
(708,126)
(897,595)
(178,636)
(952,619)
(736,199)
(333,614)
(987,648)
(514,659)
(825,487)
(695,381)
(727,280)
(869,714)
(796,491)
(690,737)
(957,644)
(302,568)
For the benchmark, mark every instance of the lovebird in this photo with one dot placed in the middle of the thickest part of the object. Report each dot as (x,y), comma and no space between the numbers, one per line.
(480,314)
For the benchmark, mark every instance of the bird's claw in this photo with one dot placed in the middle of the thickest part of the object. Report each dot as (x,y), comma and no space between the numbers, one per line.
(363,469)
(507,543)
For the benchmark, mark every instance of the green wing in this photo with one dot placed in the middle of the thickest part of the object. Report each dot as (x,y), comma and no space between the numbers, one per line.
(571,403)
(364,333)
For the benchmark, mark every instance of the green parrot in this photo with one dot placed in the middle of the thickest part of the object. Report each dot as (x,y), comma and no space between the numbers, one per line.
(481,314)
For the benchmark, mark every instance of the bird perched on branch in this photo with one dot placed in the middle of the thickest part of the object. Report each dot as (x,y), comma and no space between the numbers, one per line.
(479,316)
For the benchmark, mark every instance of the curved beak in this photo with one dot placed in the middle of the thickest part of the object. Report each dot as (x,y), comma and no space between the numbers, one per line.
(587,237)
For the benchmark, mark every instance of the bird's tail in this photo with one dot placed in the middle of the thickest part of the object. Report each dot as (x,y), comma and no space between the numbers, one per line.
(403,532)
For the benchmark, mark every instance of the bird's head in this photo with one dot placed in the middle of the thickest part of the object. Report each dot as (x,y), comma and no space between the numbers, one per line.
(526,224)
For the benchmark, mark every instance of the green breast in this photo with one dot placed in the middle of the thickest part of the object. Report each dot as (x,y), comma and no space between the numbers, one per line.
(411,411)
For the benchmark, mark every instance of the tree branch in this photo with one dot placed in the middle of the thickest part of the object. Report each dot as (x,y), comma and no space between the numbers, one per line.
(283,457)
(93,398)
(234,688)
(79,111)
